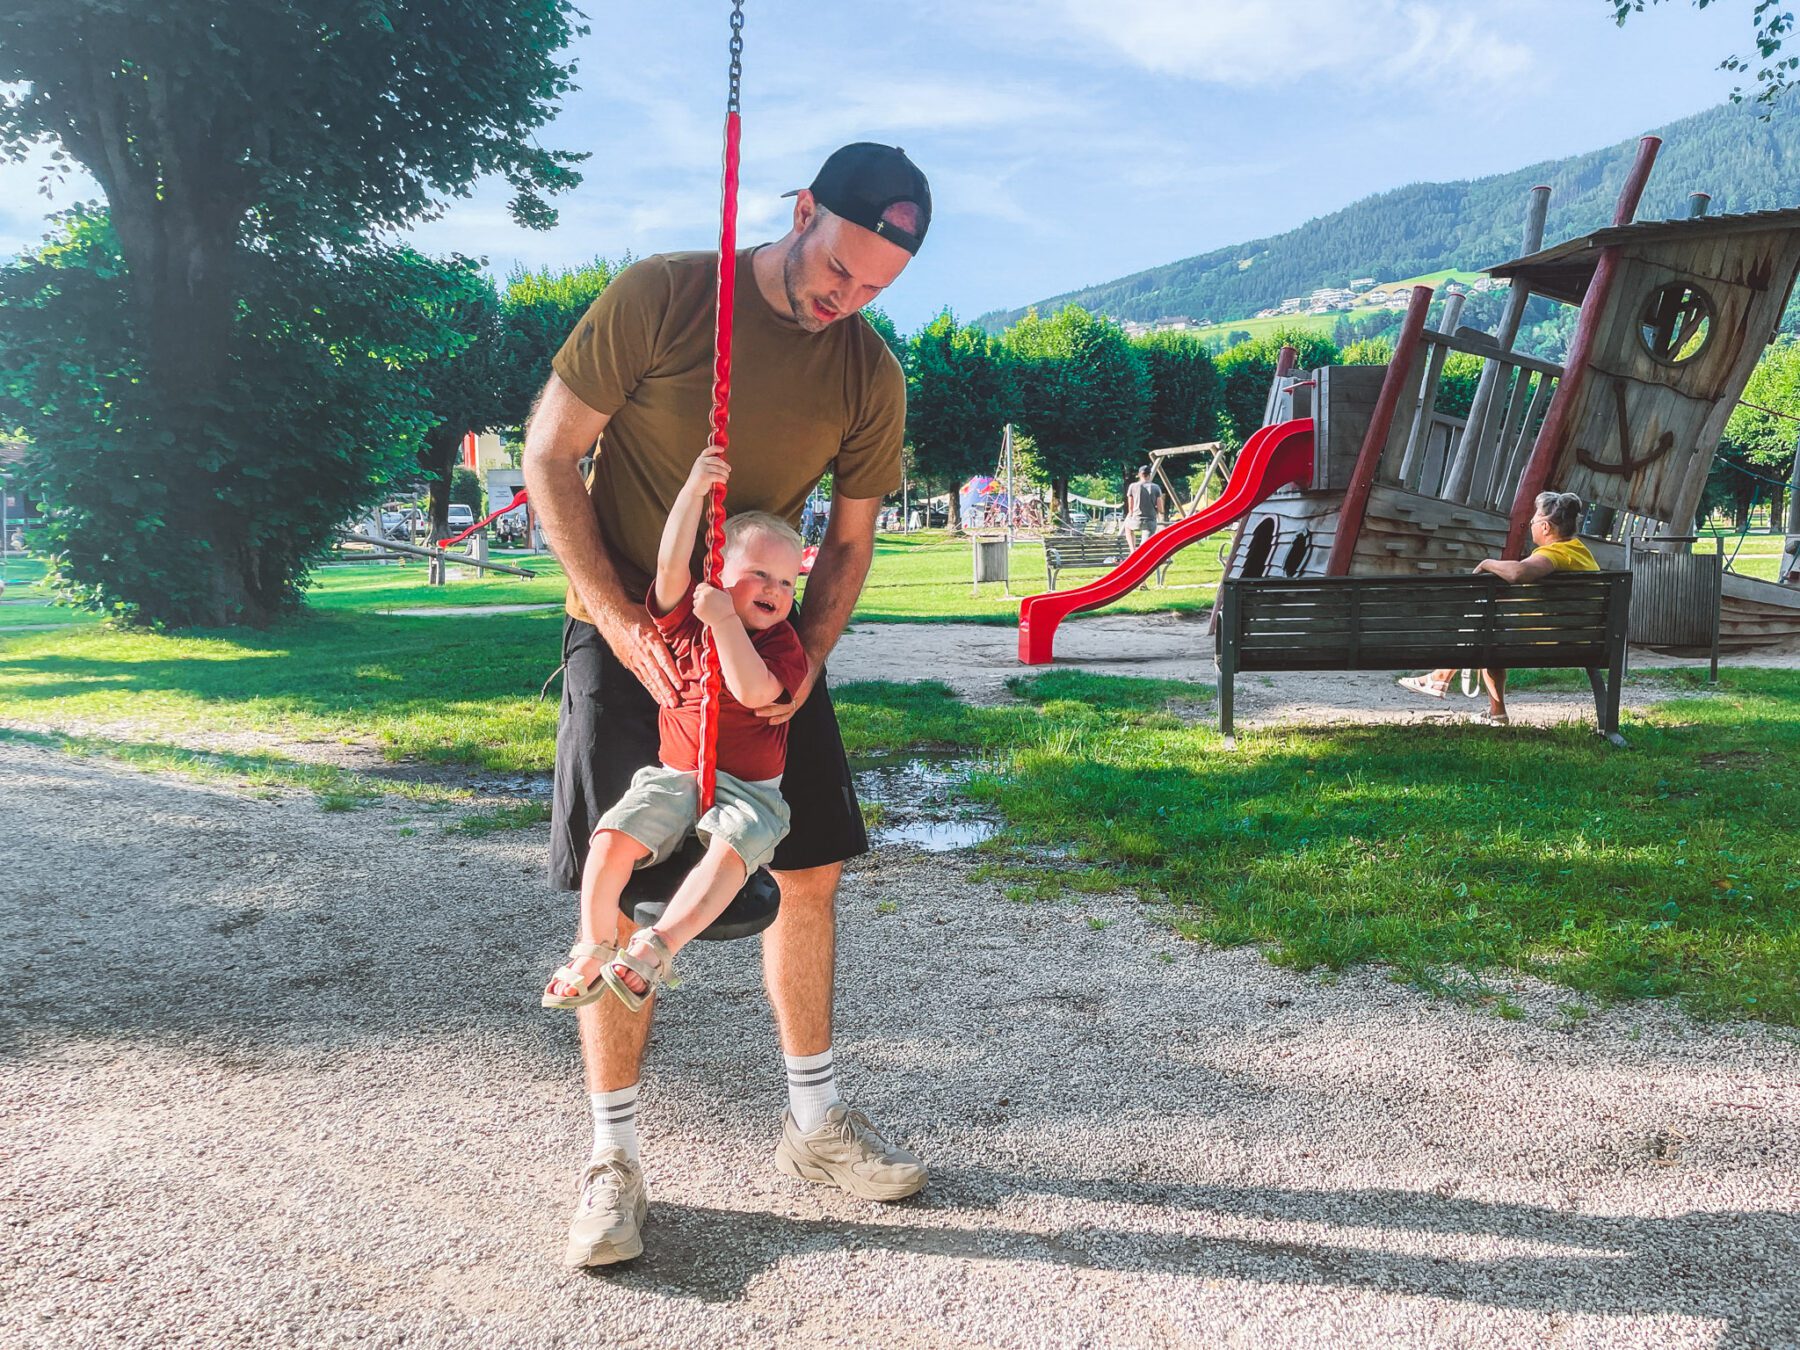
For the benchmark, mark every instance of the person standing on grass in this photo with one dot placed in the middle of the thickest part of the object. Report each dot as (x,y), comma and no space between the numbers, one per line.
(1556,549)
(1144,508)
(814,390)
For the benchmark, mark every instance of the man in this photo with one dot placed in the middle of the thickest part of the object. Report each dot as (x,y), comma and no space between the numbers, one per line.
(814,389)
(1143,508)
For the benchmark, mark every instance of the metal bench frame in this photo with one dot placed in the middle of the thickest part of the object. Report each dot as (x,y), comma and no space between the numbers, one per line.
(1091,552)
(1573,619)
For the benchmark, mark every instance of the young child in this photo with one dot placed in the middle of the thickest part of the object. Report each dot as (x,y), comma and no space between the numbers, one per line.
(762,662)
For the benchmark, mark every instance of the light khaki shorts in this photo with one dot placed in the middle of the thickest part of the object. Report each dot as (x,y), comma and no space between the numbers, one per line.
(659,807)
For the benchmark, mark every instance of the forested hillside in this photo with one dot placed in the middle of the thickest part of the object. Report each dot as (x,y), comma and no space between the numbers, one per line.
(1746,163)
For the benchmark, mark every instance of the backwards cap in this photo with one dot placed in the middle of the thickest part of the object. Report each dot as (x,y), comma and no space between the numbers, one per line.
(860,182)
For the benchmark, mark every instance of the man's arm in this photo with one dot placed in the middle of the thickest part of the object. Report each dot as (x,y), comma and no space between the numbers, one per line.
(1534,568)
(832,587)
(560,431)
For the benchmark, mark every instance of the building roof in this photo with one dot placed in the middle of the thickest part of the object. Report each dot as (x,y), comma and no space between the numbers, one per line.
(1563,271)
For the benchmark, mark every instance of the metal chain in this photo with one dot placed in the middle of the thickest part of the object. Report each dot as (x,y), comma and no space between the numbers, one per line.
(737,53)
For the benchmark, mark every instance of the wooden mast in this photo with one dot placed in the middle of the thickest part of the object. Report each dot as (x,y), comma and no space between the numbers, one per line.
(1556,427)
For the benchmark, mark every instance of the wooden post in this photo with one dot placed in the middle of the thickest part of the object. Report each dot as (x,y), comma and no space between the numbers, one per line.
(1284,370)
(1790,561)
(1536,474)
(1412,463)
(1381,423)
(1462,469)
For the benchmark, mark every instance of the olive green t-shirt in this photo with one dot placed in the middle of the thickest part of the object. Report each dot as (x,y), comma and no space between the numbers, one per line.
(802,403)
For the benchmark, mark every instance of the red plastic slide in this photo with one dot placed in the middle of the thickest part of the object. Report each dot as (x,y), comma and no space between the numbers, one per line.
(1275,457)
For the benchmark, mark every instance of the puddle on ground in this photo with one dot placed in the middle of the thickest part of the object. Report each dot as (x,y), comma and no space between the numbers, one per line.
(528,785)
(917,793)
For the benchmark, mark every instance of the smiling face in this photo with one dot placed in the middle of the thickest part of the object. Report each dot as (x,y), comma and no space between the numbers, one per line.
(760,570)
(833,268)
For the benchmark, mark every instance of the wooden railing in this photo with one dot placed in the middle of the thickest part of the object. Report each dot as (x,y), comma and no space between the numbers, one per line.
(1472,461)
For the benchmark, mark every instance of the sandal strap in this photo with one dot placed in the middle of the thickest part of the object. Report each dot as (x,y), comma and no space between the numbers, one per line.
(659,969)
(592,951)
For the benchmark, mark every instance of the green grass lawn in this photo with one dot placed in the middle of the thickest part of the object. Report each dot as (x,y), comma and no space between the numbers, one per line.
(1449,853)
(1758,555)
(914,577)
(27,604)
(926,576)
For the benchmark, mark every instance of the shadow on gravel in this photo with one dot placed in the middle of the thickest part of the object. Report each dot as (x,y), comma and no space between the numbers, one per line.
(1607,1265)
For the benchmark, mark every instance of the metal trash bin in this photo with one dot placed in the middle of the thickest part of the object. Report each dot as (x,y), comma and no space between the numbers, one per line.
(1674,595)
(992,560)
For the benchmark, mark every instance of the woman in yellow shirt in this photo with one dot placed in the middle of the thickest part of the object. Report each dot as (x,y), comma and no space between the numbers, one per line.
(1553,526)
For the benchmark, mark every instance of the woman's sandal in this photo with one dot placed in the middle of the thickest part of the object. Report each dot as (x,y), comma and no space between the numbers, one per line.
(657,973)
(1420,685)
(589,987)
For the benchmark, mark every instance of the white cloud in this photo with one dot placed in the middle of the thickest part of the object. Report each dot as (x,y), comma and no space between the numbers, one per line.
(1283,42)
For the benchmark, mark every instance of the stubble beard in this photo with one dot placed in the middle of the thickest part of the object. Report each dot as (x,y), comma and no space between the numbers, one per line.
(790,282)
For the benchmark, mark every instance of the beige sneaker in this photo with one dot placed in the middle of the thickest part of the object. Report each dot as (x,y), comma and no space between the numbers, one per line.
(609,1212)
(849,1152)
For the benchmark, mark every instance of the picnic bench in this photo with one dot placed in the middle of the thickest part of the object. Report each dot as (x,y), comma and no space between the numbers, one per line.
(1092,552)
(1571,619)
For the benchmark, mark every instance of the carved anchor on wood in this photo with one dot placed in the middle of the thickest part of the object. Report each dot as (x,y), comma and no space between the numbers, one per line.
(1626,465)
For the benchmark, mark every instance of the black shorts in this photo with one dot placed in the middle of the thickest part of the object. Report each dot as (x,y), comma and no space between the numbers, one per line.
(607,732)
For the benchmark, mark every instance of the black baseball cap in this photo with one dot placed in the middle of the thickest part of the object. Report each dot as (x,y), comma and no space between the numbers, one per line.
(862,180)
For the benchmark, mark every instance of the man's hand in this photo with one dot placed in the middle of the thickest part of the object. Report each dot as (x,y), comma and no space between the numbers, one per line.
(712,606)
(709,469)
(777,713)
(641,650)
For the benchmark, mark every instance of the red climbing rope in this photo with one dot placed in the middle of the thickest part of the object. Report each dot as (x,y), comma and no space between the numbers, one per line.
(721,405)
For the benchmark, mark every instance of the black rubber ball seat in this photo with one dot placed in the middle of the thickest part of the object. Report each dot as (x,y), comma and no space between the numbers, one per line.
(753,909)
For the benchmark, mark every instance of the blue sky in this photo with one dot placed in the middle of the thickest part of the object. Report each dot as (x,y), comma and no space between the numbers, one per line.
(1070,141)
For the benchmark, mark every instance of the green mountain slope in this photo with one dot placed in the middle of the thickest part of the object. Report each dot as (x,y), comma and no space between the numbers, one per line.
(1746,163)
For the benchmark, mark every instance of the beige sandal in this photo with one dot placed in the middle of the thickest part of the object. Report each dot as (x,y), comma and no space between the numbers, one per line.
(1420,685)
(657,973)
(588,987)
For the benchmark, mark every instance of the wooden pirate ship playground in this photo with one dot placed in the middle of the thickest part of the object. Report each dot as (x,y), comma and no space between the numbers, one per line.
(1358,471)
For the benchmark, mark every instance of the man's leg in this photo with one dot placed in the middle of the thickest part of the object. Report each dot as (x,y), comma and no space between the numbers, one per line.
(606,731)
(799,958)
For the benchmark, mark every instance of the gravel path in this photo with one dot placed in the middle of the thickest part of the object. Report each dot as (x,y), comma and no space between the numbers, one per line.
(271,1075)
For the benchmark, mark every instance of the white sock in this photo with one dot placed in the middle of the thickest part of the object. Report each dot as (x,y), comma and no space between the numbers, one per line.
(812,1089)
(615,1120)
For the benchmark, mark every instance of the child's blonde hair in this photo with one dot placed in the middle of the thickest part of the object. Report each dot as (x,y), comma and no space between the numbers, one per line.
(760,522)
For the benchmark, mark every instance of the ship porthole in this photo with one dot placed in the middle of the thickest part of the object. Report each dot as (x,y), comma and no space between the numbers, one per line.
(1676,323)
(1293,562)
(1260,549)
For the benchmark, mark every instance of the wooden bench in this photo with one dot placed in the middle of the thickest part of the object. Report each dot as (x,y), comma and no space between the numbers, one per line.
(1093,552)
(1572,619)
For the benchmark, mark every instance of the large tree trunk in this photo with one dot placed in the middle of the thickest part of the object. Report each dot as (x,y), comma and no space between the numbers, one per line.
(438,458)
(178,220)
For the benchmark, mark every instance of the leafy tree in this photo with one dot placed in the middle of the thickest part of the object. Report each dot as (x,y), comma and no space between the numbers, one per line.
(466,490)
(466,389)
(879,321)
(958,399)
(1083,393)
(1772,26)
(1246,370)
(324,358)
(538,312)
(252,156)
(1757,439)
(1184,389)
(1375,351)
